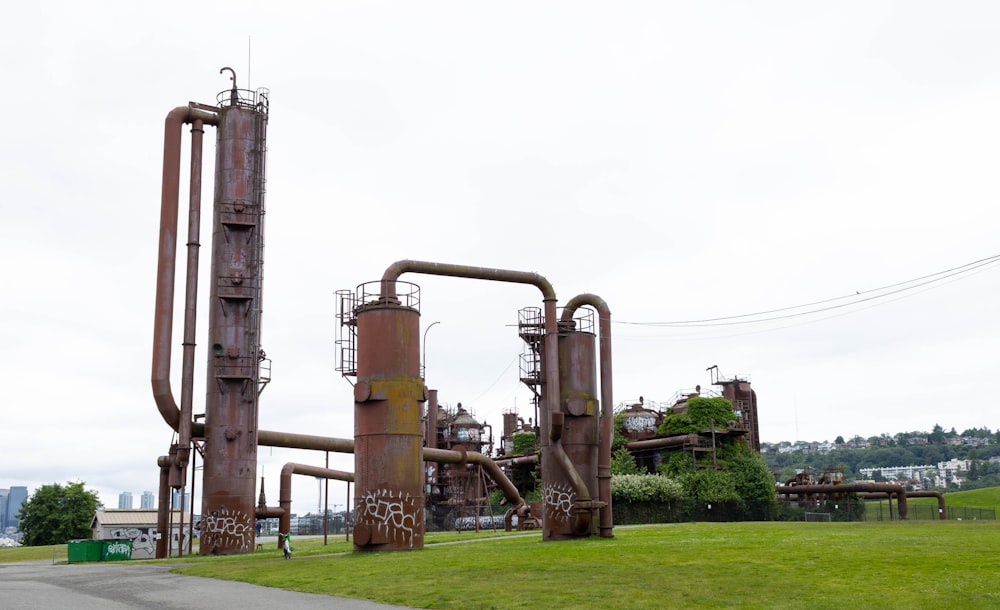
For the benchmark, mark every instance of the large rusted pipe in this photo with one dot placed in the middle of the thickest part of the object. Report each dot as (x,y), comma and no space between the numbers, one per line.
(942,510)
(163,507)
(269,438)
(190,304)
(607,403)
(517,461)
(898,490)
(445,456)
(398,268)
(657,443)
(166,261)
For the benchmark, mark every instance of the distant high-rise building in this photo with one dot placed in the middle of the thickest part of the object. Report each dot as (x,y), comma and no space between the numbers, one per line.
(125,499)
(16,497)
(3,507)
(175,500)
(147,501)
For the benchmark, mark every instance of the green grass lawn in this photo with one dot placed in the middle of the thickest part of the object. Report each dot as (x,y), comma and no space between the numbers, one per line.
(705,565)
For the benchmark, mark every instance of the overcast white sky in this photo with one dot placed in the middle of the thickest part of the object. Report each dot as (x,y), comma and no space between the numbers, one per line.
(684,161)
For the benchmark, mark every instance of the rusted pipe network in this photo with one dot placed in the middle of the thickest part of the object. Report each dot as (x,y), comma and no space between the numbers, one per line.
(607,403)
(268,438)
(551,348)
(898,490)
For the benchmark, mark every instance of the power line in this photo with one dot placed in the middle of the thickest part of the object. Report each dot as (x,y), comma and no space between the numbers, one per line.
(859,297)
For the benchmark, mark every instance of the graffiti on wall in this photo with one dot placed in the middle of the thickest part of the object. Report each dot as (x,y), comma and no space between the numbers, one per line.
(558,499)
(639,423)
(227,529)
(389,513)
(143,540)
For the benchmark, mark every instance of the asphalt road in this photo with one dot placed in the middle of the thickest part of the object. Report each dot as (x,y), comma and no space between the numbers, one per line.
(121,585)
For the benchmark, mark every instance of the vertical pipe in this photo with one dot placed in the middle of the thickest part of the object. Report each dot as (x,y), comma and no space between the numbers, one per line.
(163,507)
(190,299)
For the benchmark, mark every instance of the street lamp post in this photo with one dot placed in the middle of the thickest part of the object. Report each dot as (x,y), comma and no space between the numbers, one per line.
(423,360)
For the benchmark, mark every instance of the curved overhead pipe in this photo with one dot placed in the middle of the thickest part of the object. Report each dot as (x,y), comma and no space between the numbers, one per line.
(942,509)
(898,490)
(607,403)
(393,271)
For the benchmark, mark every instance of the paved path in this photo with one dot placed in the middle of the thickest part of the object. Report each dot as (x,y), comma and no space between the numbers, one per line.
(125,585)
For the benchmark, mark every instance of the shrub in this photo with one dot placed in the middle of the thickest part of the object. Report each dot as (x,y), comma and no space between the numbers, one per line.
(644,488)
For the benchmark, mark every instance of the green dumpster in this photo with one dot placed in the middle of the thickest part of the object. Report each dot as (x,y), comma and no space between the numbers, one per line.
(83,550)
(116,550)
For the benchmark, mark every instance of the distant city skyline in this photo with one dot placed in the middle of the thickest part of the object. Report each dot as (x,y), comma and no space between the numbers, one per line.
(11,500)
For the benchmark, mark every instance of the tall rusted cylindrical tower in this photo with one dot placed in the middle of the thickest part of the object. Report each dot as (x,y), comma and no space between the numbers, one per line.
(388,472)
(568,492)
(228,499)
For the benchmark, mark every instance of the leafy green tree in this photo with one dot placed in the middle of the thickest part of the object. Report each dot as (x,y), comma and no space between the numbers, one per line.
(524,443)
(751,477)
(55,514)
(622,462)
(936,437)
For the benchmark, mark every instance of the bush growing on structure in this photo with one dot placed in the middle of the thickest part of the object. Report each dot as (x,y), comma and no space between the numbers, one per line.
(524,443)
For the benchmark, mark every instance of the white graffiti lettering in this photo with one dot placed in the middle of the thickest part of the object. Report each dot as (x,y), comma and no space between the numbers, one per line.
(142,541)
(119,548)
(232,530)
(558,501)
(394,514)
(638,423)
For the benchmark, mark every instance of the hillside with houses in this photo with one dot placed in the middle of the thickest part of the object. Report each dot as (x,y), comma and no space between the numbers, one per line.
(939,459)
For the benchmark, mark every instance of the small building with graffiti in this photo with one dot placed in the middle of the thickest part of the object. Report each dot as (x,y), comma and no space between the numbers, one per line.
(135,525)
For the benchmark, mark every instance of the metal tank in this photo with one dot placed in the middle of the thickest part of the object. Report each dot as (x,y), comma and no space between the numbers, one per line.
(570,478)
(389,499)
(228,498)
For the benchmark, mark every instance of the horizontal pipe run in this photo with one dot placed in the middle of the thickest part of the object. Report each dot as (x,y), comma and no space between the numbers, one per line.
(942,510)
(898,490)
(398,268)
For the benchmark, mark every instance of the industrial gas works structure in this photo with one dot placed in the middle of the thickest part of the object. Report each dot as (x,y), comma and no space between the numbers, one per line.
(383,353)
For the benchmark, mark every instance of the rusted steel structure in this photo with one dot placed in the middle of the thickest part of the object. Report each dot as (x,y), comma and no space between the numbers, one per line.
(230,428)
(744,400)
(387,360)
(455,491)
(831,491)
(942,509)
(385,324)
